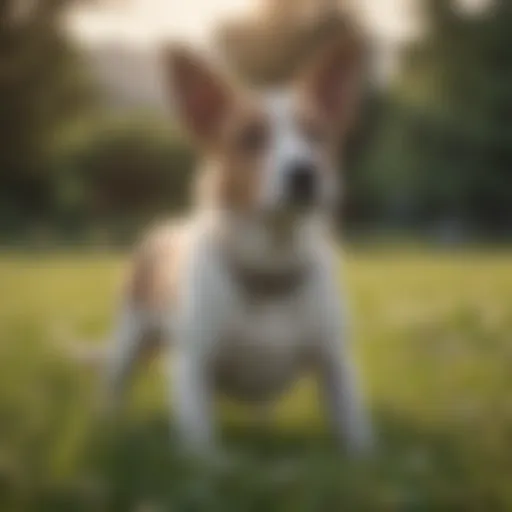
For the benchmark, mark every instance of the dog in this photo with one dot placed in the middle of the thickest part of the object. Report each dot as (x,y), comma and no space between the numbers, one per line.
(245,290)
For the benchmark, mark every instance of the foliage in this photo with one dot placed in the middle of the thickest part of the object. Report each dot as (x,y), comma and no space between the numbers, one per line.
(114,172)
(432,150)
(42,86)
(449,137)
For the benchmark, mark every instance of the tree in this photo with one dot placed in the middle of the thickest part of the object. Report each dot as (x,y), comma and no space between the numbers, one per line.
(454,105)
(41,88)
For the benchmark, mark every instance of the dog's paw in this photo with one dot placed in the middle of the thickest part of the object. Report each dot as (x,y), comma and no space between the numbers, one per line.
(361,445)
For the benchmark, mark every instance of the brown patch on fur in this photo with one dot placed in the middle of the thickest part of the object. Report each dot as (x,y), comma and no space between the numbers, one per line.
(204,96)
(153,280)
(331,82)
(233,177)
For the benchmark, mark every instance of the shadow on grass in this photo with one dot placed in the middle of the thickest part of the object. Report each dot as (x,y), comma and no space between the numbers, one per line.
(137,468)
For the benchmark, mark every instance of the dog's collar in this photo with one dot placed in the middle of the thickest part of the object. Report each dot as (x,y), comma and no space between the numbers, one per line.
(261,284)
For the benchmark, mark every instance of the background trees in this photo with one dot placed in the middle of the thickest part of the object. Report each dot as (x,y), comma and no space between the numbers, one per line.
(446,149)
(42,89)
(432,149)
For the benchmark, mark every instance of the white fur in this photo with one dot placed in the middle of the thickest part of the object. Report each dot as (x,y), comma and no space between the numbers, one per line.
(288,147)
(256,349)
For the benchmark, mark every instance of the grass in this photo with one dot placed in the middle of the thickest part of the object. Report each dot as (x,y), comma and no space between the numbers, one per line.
(434,340)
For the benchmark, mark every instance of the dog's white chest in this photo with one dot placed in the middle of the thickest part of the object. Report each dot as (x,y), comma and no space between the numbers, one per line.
(262,348)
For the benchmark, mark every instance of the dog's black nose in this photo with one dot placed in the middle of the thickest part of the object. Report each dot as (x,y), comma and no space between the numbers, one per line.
(302,183)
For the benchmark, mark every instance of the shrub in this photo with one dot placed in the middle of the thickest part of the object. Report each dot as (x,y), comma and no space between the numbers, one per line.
(116,174)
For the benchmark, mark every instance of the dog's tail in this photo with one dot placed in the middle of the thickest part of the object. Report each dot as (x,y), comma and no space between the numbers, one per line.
(114,360)
(88,354)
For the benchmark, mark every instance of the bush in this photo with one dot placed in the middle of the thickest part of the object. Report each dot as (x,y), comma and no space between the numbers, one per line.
(116,174)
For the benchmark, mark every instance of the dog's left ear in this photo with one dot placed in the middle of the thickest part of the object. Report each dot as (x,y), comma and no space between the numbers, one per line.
(332,81)
(202,97)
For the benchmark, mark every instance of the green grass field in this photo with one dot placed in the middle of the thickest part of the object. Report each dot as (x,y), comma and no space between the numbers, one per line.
(433,338)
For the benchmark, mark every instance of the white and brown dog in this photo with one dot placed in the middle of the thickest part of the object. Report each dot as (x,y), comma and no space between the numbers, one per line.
(246,289)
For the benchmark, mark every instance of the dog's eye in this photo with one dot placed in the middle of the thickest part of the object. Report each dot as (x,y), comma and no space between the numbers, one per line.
(252,138)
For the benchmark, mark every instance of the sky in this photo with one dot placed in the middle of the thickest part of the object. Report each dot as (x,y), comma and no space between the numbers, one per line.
(145,22)
(148,21)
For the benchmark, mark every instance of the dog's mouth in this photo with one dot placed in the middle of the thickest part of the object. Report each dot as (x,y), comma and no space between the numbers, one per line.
(281,224)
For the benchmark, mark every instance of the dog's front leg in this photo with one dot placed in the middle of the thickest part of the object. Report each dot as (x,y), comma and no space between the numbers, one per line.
(198,321)
(344,401)
(193,401)
(338,373)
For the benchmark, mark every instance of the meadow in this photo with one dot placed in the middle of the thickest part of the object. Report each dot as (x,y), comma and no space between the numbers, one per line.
(433,336)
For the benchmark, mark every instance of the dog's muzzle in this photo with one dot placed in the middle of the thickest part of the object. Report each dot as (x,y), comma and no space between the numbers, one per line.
(302,185)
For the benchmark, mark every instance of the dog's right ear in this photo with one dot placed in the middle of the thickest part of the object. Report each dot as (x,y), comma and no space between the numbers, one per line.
(201,97)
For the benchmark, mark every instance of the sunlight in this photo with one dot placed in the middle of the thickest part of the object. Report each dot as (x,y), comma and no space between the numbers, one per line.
(150,21)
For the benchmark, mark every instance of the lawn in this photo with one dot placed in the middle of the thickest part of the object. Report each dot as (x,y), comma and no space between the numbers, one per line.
(433,338)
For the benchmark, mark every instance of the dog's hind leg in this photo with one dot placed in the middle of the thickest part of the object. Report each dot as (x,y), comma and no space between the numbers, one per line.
(129,340)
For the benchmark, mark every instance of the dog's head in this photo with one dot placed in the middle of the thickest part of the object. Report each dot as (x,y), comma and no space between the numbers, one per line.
(271,151)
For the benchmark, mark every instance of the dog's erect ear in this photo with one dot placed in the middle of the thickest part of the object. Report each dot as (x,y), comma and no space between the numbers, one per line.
(331,82)
(201,97)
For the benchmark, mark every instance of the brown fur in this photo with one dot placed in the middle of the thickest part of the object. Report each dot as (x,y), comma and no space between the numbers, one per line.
(153,279)
(232,177)
(219,118)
